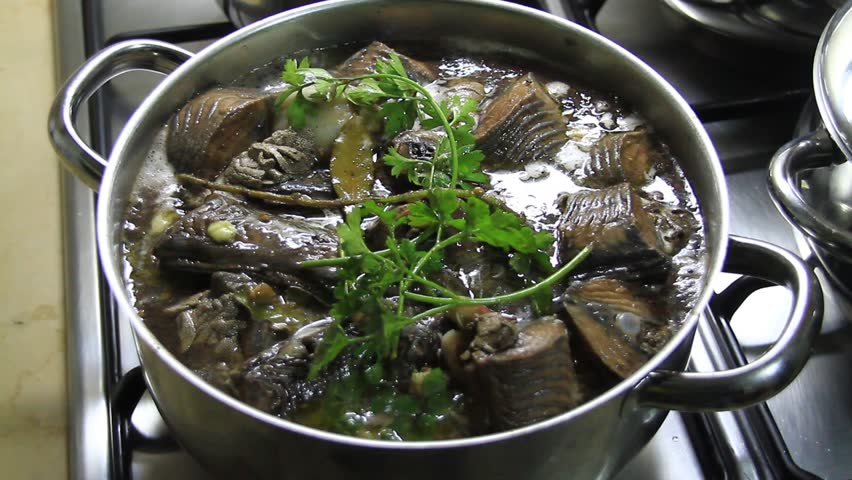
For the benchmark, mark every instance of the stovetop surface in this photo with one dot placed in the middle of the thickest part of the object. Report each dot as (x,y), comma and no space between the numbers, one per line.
(813,414)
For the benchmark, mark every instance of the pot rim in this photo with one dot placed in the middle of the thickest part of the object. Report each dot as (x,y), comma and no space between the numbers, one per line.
(114,275)
(832,62)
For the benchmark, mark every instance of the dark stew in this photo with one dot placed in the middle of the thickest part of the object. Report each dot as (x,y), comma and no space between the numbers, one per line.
(404,246)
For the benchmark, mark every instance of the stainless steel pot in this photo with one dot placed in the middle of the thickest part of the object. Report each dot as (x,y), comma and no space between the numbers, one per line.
(591,441)
(810,178)
(244,12)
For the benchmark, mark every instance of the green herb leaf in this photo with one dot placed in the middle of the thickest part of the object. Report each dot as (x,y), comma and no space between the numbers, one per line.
(298,111)
(366,93)
(392,66)
(421,215)
(322,90)
(388,216)
(291,73)
(374,373)
(435,382)
(445,203)
(399,116)
(507,231)
(351,235)
(334,340)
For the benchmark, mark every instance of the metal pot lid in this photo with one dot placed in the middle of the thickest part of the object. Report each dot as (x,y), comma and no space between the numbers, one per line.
(833,78)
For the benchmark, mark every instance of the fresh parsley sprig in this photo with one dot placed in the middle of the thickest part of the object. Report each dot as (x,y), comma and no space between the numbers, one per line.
(402,102)
(370,311)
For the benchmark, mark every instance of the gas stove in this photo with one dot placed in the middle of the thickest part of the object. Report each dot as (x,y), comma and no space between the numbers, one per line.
(749,100)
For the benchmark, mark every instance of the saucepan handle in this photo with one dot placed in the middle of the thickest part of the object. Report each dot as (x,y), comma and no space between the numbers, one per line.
(107,64)
(771,372)
(810,151)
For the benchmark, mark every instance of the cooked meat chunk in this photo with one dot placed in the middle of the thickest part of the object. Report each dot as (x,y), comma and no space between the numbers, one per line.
(619,326)
(208,331)
(419,345)
(532,380)
(276,379)
(523,124)
(212,128)
(417,144)
(620,157)
(613,221)
(264,244)
(364,62)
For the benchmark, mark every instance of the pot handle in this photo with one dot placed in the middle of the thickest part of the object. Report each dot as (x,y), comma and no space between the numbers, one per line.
(771,372)
(809,151)
(107,64)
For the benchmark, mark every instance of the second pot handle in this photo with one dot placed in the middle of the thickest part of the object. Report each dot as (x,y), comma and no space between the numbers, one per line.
(810,151)
(771,372)
(107,64)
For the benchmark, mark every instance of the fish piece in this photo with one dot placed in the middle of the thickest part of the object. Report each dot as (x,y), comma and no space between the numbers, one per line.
(353,161)
(521,125)
(275,380)
(209,323)
(620,327)
(463,88)
(675,225)
(532,380)
(263,244)
(417,144)
(614,222)
(418,348)
(477,270)
(620,157)
(364,62)
(414,144)
(208,331)
(214,127)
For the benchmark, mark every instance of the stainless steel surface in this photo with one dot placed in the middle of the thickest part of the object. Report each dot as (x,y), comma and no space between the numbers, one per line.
(85,364)
(810,151)
(813,413)
(244,12)
(125,57)
(770,373)
(833,78)
(801,17)
(733,19)
(809,179)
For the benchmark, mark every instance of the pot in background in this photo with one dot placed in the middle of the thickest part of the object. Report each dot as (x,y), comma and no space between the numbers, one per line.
(594,440)
(810,178)
(244,12)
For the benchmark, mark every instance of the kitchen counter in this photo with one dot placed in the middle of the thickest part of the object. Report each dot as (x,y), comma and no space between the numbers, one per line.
(32,332)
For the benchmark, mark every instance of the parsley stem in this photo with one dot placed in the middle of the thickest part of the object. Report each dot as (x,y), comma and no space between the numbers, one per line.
(438,246)
(546,283)
(431,312)
(429,283)
(333,262)
(445,122)
(308,202)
